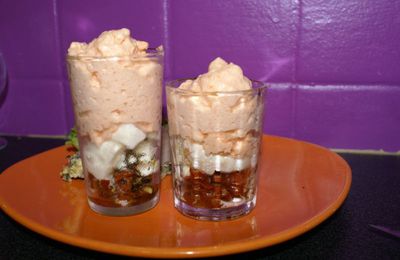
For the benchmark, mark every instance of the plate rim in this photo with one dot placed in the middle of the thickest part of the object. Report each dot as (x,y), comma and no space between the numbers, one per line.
(229,248)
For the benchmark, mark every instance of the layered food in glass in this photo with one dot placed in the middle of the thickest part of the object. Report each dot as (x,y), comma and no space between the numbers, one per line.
(116,87)
(215,126)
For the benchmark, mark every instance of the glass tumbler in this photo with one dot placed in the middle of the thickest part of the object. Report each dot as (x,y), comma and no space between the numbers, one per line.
(117,105)
(215,143)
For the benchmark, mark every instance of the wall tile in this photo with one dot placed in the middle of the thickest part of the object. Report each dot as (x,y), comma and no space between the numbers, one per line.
(69,113)
(349,117)
(349,42)
(33,107)
(258,35)
(28,39)
(350,49)
(85,20)
(278,112)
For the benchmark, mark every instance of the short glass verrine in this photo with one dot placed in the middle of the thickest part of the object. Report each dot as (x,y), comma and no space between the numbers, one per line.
(215,143)
(117,104)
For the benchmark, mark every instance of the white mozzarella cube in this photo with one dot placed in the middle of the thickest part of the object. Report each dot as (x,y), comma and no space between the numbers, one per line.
(100,161)
(185,171)
(210,163)
(224,163)
(198,157)
(241,164)
(207,166)
(95,163)
(128,135)
(120,162)
(145,151)
(109,151)
(148,168)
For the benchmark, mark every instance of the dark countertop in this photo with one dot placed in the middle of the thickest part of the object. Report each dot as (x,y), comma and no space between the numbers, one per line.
(373,199)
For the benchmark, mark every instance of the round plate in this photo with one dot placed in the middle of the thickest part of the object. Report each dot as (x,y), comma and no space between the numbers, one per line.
(300,185)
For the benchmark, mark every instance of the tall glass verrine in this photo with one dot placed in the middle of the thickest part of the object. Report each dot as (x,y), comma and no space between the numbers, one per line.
(215,143)
(117,105)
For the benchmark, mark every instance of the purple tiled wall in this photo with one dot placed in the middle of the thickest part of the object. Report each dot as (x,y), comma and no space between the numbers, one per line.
(333,66)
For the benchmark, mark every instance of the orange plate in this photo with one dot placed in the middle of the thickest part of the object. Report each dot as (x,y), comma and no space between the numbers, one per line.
(300,186)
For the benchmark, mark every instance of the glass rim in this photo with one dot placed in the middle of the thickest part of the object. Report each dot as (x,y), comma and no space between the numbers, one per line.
(261,86)
(150,52)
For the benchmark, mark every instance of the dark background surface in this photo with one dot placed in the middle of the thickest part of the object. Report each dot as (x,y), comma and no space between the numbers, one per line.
(373,199)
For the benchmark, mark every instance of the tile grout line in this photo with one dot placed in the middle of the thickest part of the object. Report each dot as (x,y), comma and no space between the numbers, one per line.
(59,57)
(295,85)
(57,34)
(299,34)
(165,21)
